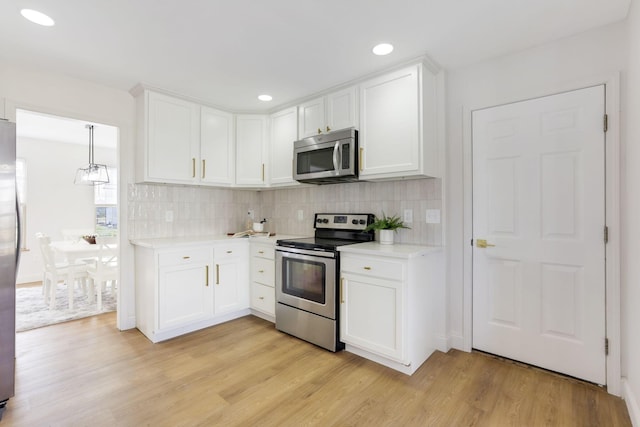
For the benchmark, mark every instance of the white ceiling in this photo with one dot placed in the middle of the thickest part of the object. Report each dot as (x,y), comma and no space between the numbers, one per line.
(228,52)
(45,127)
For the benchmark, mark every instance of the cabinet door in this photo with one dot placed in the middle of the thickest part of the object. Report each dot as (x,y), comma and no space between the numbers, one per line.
(284,131)
(231,281)
(263,298)
(311,118)
(371,315)
(250,150)
(342,111)
(173,139)
(185,295)
(390,119)
(217,164)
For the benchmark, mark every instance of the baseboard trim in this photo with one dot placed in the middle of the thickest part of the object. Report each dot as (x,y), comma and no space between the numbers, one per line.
(631,400)
(457,342)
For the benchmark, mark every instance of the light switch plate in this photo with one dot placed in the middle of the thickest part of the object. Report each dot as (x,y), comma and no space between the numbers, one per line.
(433,216)
(408,216)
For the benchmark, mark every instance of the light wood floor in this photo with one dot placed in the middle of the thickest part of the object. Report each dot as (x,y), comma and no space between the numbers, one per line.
(245,373)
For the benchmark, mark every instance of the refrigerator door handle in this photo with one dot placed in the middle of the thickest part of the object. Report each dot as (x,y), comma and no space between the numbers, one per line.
(18,233)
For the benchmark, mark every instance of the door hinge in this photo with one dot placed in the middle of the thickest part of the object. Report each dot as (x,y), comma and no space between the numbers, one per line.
(606,234)
(606,346)
(605,124)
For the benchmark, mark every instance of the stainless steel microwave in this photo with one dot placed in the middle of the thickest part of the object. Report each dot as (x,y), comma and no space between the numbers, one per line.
(326,158)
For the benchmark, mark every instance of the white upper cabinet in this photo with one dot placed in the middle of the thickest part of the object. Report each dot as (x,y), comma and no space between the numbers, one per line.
(251,150)
(171,139)
(337,110)
(399,125)
(217,147)
(284,131)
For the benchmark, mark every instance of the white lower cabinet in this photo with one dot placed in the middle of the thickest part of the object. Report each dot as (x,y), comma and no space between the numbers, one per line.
(386,308)
(263,298)
(231,285)
(180,290)
(184,291)
(372,315)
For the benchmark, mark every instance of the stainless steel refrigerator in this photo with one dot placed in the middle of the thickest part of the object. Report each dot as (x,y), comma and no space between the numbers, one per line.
(9,252)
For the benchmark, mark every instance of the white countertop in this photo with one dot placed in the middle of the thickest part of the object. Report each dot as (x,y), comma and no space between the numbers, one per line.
(167,242)
(397,250)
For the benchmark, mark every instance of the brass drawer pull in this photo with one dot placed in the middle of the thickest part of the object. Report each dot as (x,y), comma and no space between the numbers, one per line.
(186,257)
(367,268)
(207,275)
(217,274)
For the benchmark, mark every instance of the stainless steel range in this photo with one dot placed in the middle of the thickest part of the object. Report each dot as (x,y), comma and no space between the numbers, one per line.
(307,277)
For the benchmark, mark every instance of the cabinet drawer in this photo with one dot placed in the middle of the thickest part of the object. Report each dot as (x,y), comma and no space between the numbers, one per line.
(263,298)
(263,251)
(263,271)
(184,257)
(224,252)
(373,267)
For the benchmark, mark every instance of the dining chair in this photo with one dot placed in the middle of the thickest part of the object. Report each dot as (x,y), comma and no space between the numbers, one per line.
(105,268)
(55,272)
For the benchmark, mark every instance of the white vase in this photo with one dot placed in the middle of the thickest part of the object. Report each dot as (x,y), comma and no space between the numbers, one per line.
(386,237)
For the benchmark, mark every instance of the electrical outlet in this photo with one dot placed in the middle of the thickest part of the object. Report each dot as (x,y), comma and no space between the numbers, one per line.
(300,215)
(251,214)
(433,216)
(408,216)
(168,216)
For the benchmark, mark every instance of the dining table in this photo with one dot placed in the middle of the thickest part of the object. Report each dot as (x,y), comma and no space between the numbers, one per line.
(73,251)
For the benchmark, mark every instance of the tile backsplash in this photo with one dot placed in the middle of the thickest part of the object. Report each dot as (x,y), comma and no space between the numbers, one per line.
(214,211)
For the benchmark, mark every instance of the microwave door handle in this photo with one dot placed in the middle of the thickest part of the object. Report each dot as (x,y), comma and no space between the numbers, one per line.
(336,151)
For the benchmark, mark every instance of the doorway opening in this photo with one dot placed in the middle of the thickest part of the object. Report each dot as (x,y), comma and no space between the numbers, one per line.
(50,150)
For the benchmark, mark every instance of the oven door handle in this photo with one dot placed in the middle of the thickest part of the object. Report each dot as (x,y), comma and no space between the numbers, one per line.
(285,250)
(336,151)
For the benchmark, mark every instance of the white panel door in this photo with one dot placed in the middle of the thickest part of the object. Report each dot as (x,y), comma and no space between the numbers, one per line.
(251,139)
(216,147)
(311,118)
(538,196)
(284,131)
(342,111)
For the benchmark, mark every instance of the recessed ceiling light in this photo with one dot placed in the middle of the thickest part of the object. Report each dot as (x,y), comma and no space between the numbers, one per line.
(37,17)
(383,49)
(265,98)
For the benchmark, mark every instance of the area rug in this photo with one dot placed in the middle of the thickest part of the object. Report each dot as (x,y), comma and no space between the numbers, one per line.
(32,312)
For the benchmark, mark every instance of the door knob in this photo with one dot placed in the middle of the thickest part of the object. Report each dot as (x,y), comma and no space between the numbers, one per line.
(482,243)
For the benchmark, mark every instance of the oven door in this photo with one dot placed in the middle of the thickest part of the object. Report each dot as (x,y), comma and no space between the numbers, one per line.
(306,280)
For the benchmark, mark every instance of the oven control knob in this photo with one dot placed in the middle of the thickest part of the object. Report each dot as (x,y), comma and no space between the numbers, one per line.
(325,220)
(354,222)
(363,222)
(318,220)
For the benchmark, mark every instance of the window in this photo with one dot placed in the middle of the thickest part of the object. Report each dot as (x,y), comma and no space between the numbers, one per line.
(106,201)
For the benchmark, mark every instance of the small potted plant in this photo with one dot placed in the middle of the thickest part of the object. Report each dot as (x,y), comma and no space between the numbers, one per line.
(387,226)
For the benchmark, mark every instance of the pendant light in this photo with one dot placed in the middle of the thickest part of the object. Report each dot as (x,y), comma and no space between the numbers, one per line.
(93,174)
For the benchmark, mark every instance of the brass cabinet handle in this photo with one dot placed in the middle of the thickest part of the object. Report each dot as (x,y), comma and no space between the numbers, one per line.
(206,274)
(229,252)
(482,243)
(360,160)
(186,257)
(193,167)
(319,130)
(263,172)
(367,268)
(328,129)
(203,168)
(217,274)
(260,271)
(341,290)
(260,252)
(260,297)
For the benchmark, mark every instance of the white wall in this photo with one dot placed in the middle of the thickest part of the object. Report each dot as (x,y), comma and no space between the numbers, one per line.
(630,271)
(562,65)
(54,202)
(68,97)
